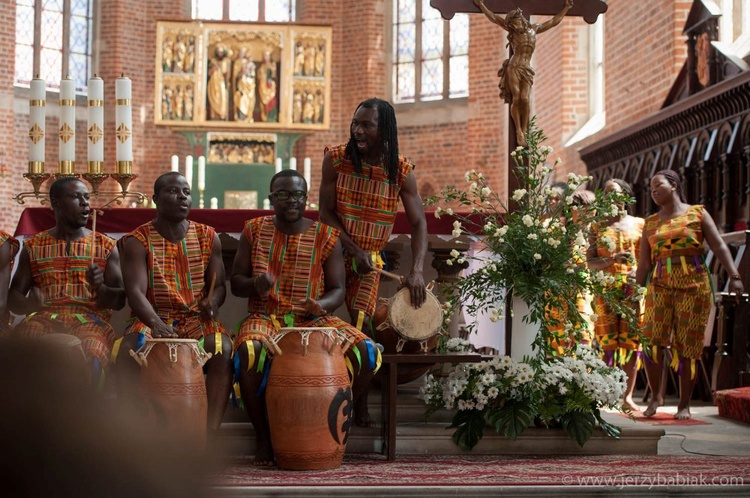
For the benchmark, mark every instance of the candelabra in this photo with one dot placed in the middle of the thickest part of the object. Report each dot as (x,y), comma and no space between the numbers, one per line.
(94,176)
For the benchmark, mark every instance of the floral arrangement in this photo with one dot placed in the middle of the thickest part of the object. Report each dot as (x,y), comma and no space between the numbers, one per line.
(537,249)
(567,391)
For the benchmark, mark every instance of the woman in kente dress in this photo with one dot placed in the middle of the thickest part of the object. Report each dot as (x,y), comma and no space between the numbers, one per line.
(679,294)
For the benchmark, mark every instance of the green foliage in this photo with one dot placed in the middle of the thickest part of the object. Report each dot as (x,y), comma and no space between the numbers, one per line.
(469,426)
(512,419)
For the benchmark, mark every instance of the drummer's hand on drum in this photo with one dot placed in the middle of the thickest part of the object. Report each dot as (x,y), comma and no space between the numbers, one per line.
(415,282)
(95,276)
(263,284)
(160,329)
(312,307)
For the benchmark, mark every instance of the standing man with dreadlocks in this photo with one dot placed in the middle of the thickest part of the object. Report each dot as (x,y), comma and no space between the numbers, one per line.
(362,183)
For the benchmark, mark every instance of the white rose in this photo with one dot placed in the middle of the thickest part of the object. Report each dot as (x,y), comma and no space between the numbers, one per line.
(456,233)
(486,191)
(455,253)
(437,213)
(528,220)
(449,211)
(449,262)
(518,194)
(532,236)
(537,256)
(457,224)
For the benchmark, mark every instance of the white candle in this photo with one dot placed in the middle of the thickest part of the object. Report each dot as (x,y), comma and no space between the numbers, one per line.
(293,163)
(189,170)
(307,171)
(67,130)
(37,116)
(201,173)
(214,203)
(123,125)
(266,204)
(175,163)
(278,165)
(95,132)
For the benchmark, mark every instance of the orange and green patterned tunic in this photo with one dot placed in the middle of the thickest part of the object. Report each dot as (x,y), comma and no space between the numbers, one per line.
(176,279)
(612,331)
(296,261)
(366,204)
(14,246)
(58,269)
(679,295)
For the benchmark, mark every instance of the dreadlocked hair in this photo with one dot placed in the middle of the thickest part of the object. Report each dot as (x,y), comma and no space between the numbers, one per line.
(674,179)
(388,134)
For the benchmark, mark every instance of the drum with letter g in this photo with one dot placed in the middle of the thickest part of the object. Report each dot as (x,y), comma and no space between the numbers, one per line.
(309,398)
(173,385)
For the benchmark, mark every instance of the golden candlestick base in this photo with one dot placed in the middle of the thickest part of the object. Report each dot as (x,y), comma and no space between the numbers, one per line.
(36,179)
(65,175)
(124,179)
(95,180)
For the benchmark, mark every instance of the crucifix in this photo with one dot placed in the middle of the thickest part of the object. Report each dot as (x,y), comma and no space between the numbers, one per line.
(516,74)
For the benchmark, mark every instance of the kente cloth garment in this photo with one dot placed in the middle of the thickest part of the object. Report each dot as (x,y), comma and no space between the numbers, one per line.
(561,340)
(366,204)
(678,293)
(612,331)
(58,269)
(176,279)
(296,261)
(523,72)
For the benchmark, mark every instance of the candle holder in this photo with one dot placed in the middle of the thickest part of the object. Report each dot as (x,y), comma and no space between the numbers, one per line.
(95,180)
(200,198)
(36,179)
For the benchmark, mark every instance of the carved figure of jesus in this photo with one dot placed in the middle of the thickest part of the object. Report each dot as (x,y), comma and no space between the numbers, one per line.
(516,74)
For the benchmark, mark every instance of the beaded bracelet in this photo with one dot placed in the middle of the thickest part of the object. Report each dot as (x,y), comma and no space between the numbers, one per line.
(735,277)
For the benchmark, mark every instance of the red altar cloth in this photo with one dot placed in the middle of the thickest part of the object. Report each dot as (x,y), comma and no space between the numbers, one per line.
(35,219)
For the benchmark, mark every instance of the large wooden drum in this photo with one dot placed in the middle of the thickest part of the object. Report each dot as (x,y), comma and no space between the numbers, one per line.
(173,386)
(309,399)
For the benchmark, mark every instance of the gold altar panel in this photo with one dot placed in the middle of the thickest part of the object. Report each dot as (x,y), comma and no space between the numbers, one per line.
(243,76)
(241,148)
(241,199)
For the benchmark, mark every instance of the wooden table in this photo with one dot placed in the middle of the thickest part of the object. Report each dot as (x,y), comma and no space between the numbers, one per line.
(388,387)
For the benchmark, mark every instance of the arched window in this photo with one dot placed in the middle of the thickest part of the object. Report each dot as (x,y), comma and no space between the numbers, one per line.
(245,10)
(430,54)
(53,39)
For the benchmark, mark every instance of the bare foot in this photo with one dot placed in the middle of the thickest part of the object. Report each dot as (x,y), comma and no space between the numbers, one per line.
(264,455)
(629,405)
(651,409)
(683,413)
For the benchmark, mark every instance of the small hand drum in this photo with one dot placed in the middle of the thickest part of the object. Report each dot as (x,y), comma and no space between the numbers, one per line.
(413,324)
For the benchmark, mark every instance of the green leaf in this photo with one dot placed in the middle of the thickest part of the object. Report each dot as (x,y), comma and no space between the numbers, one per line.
(469,428)
(609,429)
(578,425)
(512,419)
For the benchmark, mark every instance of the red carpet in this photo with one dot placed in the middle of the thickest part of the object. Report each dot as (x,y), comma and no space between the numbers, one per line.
(499,470)
(664,418)
(734,403)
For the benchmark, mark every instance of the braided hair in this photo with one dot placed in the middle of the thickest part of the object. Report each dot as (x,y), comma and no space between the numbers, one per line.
(674,179)
(388,134)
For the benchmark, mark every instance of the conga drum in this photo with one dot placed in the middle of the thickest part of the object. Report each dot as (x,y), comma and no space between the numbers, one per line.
(309,399)
(173,386)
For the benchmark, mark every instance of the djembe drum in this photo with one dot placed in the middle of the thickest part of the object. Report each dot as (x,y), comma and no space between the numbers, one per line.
(173,385)
(309,399)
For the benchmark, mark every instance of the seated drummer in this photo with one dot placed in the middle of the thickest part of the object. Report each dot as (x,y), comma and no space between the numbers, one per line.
(60,288)
(302,294)
(175,286)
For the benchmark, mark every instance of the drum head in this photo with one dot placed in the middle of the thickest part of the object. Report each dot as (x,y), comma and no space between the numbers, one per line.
(415,324)
(61,340)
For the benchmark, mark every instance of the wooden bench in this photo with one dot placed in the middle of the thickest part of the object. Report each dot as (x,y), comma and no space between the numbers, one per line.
(389,398)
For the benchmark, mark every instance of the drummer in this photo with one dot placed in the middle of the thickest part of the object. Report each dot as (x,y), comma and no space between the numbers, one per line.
(69,279)
(291,269)
(362,183)
(175,286)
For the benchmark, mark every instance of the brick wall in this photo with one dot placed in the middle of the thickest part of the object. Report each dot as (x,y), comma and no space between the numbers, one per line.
(644,50)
